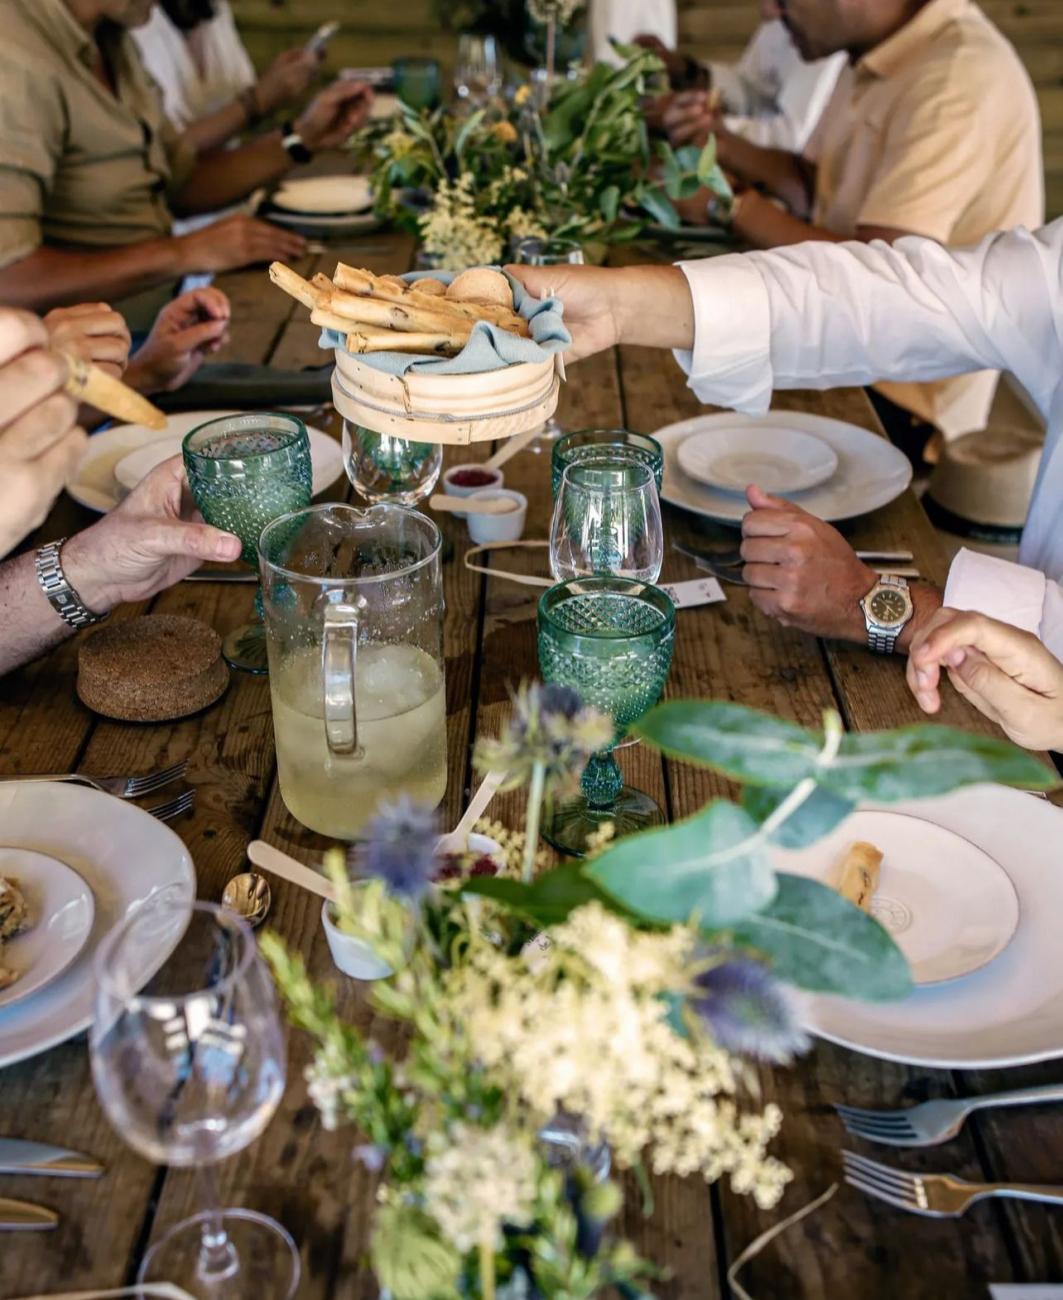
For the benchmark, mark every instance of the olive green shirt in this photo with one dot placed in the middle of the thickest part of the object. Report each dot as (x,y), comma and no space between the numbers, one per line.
(79,166)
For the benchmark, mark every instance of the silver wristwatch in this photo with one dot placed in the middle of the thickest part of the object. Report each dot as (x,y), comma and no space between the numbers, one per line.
(887,609)
(61,595)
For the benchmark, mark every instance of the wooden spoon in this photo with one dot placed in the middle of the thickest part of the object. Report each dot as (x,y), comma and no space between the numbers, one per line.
(473,505)
(266,857)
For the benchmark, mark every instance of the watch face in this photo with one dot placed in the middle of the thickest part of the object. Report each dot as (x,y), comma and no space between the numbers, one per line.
(888,606)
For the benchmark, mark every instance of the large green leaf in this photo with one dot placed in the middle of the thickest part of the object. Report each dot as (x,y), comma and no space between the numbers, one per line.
(549,898)
(704,867)
(817,940)
(809,822)
(657,205)
(926,760)
(744,743)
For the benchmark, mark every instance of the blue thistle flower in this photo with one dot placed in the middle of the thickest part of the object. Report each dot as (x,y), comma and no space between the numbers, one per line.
(399,848)
(747,1011)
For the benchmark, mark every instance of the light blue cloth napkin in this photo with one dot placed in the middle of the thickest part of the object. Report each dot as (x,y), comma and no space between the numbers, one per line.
(488,348)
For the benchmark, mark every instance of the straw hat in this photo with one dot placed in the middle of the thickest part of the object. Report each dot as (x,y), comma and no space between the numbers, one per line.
(981,486)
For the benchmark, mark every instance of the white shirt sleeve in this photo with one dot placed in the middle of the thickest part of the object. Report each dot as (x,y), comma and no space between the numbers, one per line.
(825,315)
(624,20)
(1012,593)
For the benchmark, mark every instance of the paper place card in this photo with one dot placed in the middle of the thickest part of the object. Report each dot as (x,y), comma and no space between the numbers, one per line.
(1025,1291)
(695,591)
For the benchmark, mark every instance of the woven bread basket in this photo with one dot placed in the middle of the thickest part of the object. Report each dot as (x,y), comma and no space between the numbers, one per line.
(450,409)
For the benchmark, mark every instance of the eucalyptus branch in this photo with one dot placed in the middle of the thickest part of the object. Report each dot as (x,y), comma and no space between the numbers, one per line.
(832,739)
(535,810)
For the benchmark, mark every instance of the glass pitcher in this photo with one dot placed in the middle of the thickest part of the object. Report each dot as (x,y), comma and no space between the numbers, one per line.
(354,629)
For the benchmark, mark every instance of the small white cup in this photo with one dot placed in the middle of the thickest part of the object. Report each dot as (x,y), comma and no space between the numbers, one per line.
(351,955)
(453,489)
(508,527)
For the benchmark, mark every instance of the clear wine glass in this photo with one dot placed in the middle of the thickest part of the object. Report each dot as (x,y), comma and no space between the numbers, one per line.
(607,519)
(478,70)
(547,251)
(188,1059)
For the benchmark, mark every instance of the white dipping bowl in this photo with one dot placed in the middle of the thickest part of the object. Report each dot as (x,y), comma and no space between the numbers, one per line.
(498,528)
(453,489)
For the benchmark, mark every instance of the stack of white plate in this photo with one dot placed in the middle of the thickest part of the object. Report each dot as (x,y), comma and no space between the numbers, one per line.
(83,860)
(325,204)
(971,889)
(834,470)
(117,459)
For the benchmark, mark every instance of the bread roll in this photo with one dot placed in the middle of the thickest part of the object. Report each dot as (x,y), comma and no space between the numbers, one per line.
(858,874)
(481,285)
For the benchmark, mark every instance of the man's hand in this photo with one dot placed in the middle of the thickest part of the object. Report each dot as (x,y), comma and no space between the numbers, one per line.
(238,241)
(93,332)
(287,79)
(335,114)
(587,295)
(691,118)
(801,571)
(1006,673)
(675,64)
(153,539)
(40,441)
(186,331)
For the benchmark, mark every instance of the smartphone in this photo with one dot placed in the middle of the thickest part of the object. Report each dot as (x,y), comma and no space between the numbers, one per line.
(318,43)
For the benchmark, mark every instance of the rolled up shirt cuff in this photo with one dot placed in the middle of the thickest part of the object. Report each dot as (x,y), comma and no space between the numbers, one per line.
(730,364)
(1011,593)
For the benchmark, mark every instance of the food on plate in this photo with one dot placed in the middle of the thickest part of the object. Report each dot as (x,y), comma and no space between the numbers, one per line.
(14,918)
(858,874)
(152,669)
(381,313)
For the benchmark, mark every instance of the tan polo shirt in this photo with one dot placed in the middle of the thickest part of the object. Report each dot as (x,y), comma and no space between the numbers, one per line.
(936,131)
(79,166)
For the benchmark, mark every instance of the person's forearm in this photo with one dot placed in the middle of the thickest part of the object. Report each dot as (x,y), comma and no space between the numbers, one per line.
(786,175)
(218,128)
(652,307)
(228,176)
(53,277)
(762,224)
(30,625)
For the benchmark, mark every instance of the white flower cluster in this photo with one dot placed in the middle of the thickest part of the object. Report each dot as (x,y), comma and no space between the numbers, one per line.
(454,233)
(476,1180)
(327,1083)
(561,11)
(585,1027)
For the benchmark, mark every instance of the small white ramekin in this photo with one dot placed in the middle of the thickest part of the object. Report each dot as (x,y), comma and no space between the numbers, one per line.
(498,528)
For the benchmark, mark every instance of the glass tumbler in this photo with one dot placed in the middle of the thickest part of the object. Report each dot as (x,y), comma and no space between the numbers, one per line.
(384,468)
(607,519)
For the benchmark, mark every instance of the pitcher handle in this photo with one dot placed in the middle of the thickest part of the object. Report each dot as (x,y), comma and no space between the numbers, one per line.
(339,658)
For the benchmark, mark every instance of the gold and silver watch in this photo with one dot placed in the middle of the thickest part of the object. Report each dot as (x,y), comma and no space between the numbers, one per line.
(887,609)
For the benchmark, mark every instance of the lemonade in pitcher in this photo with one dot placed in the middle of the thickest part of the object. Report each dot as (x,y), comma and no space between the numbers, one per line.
(400,702)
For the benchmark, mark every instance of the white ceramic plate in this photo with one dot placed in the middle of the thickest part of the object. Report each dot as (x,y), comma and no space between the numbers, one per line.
(1010,1012)
(779,460)
(324,196)
(322,227)
(950,907)
(95,483)
(124,855)
(871,471)
(61,911)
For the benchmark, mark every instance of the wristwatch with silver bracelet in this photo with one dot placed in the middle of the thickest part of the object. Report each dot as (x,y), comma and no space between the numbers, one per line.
(887,609)
(61,595)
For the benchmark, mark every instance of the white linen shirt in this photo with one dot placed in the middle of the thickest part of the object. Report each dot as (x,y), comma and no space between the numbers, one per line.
(824,315)
(772,96)
(623,20)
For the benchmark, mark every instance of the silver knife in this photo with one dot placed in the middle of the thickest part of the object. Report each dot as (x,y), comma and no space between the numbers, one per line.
(220,575)
(19,1157)
(21,1214)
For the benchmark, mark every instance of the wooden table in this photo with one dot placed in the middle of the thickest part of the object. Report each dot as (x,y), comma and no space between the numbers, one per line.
(306,1177)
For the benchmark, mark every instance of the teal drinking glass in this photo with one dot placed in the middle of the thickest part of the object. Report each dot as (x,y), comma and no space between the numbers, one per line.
(244,471)
(611,640)
(586,446)
(418,82)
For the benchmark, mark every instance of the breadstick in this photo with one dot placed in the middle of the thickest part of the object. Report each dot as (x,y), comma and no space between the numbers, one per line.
(293,284)
(366,285)
(322,282)
(443,345)
(858,874)
(410,317)
(90,384)
(328,320)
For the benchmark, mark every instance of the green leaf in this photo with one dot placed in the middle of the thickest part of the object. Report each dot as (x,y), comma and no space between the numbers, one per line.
(468,127)
(706,161)
(926,760)
(819,941)
(549,898)
(809,822)
(743,743)
(609,203)
(701,867)
(657,205)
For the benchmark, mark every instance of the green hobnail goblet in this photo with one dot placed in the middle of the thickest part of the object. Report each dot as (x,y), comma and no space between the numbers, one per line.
(244,471)
(605,446)
(611,640)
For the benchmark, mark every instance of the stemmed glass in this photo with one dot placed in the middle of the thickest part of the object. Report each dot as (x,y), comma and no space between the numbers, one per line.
(583,446)
(545,251)
(188,1060)
(383,467)
(244,471)
(607,519)
(611,640)
(478,71)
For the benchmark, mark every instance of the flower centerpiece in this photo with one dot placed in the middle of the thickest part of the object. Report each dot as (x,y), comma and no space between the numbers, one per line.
(578,167)
(619,1000)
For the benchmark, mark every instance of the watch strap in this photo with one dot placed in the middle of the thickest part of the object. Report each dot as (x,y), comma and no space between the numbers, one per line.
(60,594)
(294,144)
(882,640)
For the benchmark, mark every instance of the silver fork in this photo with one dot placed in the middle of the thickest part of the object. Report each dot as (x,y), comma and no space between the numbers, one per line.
(181,803)
(122,787)
(934,1121)
(938,1196)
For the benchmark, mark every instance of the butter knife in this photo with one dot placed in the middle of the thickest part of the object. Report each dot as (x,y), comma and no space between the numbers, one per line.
(19,1157)
(21,1214)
